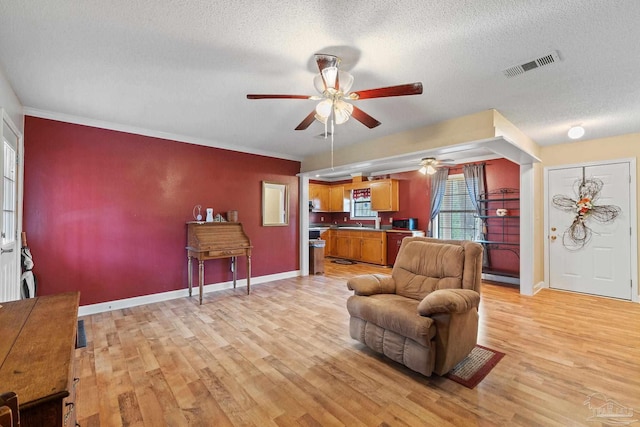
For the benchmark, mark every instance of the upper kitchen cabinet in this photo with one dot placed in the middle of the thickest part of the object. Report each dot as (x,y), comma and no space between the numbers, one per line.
(338,199)
(384,195)
(328,198)
(319,197)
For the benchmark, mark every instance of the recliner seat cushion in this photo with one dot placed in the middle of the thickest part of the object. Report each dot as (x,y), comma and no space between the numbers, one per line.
(395,313)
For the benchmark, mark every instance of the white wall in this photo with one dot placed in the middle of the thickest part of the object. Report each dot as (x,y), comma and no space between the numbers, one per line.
(10,102)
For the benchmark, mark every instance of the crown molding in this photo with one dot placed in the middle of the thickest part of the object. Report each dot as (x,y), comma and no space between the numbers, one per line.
(85,121)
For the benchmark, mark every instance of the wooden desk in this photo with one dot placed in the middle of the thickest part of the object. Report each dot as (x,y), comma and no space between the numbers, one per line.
(214,240)
(37,354)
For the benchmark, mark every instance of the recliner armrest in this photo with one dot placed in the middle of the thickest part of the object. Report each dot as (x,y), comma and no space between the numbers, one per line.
(371,284)
(449,301)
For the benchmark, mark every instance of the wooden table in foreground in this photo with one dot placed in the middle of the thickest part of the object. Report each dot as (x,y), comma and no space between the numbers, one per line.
(214,240)
(37,353)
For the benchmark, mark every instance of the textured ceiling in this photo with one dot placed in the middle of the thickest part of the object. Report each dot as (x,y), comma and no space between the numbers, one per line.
(183,68)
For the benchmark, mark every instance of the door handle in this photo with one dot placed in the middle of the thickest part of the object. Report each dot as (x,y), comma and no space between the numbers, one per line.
(5,251)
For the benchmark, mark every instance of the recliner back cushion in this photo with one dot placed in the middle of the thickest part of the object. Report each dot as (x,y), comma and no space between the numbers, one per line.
(423,267)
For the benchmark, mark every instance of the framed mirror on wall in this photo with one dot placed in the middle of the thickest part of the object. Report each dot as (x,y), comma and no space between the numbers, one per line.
(275,204)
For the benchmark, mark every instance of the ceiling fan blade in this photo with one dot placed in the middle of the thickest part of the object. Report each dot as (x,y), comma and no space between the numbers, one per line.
(259,96)
(400,90)
(364,118)
(307,120)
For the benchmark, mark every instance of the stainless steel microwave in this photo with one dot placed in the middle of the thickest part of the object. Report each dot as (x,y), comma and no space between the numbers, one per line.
(405,223)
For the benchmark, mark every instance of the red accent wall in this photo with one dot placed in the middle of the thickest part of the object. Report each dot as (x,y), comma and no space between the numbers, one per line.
(415,193)
(502,173)
(105,211)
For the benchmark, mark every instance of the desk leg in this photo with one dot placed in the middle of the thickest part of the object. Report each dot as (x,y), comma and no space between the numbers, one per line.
(248,274)
(201,277)
(235,270)
(190,274)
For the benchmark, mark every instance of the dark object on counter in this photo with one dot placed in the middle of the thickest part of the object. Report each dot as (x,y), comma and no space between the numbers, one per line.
(314,234)
(316,256)
(405,223)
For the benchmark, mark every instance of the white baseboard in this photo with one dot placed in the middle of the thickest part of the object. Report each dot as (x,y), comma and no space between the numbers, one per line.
(501,279)
(86,310)
(537,287)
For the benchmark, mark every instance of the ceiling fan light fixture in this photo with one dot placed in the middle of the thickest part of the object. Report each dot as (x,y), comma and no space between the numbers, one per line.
(323,109)
(427,170)
(330,76)
(576,132)
(342,111)
(345,81)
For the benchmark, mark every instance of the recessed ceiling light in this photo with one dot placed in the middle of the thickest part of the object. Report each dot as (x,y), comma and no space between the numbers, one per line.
(576,132)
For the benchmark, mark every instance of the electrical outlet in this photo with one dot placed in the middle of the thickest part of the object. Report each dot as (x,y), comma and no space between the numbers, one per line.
(345,219)
(390,220)
(321,219)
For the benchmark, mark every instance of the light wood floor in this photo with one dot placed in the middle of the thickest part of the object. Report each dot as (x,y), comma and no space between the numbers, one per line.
(283,357)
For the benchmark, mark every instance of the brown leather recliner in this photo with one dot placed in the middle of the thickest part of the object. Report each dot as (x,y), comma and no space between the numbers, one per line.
(425,314)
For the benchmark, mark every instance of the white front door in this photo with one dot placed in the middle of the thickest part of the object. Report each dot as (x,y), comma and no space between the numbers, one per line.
(590,256)
(9,242)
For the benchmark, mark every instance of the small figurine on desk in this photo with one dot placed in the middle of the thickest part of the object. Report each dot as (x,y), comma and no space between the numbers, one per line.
(209,215)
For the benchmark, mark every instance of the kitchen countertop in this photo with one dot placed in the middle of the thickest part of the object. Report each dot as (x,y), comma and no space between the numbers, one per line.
(352,228)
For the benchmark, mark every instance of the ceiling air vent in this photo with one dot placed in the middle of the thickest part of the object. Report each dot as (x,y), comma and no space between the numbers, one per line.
(516,70)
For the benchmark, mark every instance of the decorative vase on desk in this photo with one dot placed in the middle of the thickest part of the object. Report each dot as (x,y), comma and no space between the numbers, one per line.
(209,215)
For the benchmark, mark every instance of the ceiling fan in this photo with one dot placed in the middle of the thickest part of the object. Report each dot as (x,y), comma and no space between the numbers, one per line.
(430,165)
(334,85)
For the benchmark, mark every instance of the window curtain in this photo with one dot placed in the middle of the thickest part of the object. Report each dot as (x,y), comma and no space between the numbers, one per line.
(438,186)
(361,194)
(474,179)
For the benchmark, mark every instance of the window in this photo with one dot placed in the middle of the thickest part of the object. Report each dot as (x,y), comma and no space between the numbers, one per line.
(361,204)
(456,219)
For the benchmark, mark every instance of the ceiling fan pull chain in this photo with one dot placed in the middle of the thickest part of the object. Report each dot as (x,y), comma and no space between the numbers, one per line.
(331,143)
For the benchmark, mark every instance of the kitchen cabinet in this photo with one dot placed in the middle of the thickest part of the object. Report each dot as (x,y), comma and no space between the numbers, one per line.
(319,197)
(384,195)
(328,198)
(366,246)
(338,199)
(327,237)
(394,240)
(373,247)
(343,244)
